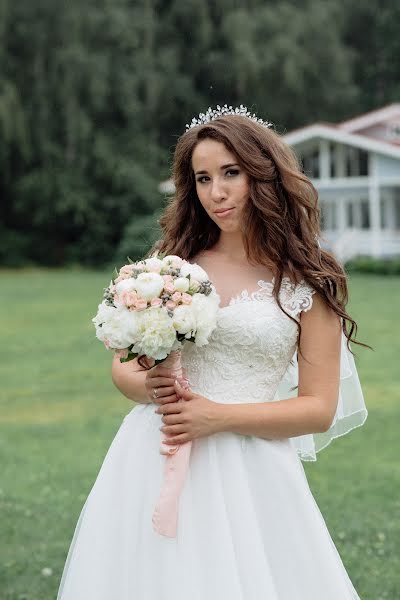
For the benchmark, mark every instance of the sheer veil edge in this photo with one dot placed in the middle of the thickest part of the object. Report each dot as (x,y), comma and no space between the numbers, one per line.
(351,410)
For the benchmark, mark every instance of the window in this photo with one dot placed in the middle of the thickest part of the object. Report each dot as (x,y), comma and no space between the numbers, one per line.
(364,214)
(363,162)
(350,214)
(356,162)
(332,157)
(310,163)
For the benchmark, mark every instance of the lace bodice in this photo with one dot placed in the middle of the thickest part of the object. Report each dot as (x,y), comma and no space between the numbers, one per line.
(250,349)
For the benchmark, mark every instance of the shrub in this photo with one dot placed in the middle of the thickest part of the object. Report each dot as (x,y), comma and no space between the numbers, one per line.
(377,266)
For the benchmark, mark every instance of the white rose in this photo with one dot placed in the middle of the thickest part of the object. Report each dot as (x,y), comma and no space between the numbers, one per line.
(194,271)
(184,319)
(172,261)
(149,285)
(127,285)
(153,264)
(194,285)
(156,333)
(181,284)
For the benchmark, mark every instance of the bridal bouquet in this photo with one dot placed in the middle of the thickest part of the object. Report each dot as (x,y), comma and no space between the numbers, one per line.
(151,308)
(154,305)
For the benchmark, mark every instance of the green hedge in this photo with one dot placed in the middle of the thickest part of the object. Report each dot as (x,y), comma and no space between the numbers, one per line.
(378,266)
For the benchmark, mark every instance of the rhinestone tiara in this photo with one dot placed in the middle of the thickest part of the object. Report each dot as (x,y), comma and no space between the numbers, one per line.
(220,111)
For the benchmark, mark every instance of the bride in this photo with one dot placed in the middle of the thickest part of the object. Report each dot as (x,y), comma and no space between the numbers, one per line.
(275,384)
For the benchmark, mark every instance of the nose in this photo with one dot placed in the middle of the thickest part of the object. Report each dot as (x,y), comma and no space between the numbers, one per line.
(218,191)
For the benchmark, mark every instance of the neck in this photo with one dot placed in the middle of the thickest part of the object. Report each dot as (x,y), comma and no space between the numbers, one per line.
(230,246)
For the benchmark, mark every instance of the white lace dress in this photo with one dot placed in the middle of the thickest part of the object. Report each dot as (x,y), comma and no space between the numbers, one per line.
(249,527)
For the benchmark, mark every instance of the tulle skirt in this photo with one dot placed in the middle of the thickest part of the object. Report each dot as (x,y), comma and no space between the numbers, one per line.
(249,527)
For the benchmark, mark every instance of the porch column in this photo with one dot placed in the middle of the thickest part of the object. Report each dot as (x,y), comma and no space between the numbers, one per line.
(339,156)
(374,198)
(341,214)
(389,213)
(324,160)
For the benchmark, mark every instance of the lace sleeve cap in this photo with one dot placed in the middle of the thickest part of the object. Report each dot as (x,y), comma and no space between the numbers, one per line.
(297,297)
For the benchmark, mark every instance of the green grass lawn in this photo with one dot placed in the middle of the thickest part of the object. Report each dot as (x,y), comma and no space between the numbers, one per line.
(60,412)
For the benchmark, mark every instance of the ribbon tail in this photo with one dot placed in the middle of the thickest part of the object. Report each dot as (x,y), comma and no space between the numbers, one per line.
(165,515)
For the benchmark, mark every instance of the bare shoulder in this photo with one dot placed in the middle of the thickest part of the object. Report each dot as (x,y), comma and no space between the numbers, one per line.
(320,317)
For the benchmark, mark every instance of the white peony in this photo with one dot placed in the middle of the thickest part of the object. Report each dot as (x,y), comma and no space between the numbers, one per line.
(156,333)
(149,285)
(181,284)
(127,285)
(116,327)
(194,271)
(184,319)
(104,312)
(153,264)
(205,310)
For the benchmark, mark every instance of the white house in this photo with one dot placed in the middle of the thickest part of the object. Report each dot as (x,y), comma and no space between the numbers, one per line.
(355,166)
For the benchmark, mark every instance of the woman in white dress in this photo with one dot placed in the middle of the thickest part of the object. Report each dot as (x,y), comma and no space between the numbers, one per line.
(249,527)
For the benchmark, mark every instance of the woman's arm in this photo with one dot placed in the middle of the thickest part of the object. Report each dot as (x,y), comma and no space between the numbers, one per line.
(137,383)
(313,409)
(129,378)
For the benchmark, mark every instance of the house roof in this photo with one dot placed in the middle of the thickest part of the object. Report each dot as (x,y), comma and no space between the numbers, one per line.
(343,133)
(371,118)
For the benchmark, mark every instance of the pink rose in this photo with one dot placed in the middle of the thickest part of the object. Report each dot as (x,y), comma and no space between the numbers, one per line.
(176,297)
(126,269)
(128,298)
(170,288)
(156,302)
(170,305)
(140,304)
(167,278)
(123,353)
(122,277)
(186,298)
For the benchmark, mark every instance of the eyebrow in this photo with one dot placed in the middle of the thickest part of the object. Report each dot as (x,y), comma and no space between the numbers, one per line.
(223,167)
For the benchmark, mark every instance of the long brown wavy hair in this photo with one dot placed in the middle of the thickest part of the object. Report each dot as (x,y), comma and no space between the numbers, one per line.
(280,222)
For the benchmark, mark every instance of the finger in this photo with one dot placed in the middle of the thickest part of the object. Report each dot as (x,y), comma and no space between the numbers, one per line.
(160,372)
(186,394)
(175,419)
(173,429)
(165,399)
(178,439)
(160,382)
(164,391)
(170,408)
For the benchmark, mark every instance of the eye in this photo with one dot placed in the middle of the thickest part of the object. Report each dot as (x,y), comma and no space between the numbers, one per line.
(233,171)
(200,179)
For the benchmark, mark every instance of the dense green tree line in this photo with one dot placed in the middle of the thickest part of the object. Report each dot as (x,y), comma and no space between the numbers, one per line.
(94,95)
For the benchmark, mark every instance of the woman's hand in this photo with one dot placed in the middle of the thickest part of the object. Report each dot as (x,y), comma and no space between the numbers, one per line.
(160,378)
(185,421)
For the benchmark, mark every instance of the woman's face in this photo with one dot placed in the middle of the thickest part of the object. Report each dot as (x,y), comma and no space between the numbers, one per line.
(221,184)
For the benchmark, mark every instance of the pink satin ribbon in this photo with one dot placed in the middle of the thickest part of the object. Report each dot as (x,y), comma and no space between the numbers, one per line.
(165,515)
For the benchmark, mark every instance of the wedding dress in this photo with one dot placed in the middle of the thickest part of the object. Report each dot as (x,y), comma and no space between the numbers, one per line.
(249,527)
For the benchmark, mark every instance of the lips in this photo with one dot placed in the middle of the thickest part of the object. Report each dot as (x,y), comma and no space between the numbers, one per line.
(222,211)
